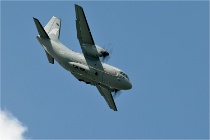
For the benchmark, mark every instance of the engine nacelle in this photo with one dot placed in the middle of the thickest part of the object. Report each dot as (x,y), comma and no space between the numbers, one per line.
(95,50)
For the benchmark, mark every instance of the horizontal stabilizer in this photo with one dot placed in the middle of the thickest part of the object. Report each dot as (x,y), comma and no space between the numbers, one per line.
(50,58)
(40,29)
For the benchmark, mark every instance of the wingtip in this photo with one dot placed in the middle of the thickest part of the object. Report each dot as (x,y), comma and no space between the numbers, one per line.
(77,6)
(35,18)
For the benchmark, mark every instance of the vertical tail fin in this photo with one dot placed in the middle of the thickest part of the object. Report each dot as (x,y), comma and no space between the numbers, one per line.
(53,28)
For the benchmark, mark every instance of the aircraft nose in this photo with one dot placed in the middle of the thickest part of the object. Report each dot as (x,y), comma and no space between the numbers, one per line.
(129,85)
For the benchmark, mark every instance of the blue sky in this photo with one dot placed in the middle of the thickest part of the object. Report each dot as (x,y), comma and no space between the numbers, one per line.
(163,47)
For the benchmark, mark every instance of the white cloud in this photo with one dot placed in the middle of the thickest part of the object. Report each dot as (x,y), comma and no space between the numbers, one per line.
(10,127)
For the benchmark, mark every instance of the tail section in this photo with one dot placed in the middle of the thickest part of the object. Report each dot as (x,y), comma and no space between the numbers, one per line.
(53,28)
(40,29)
(51,31)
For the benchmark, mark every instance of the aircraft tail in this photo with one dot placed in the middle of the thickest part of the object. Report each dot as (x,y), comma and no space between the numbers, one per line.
(40,29)
(46,33)
(53,28)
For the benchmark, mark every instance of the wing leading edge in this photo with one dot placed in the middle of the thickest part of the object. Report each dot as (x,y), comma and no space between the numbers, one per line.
(85,39)
(107,96)
(84,34)
(83,31)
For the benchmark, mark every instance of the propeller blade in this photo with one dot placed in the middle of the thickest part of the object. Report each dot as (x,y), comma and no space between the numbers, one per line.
(116,93)
(106,58)
(108,47)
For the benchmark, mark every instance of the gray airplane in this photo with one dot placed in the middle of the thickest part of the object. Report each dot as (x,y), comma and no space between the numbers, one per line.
(86,67)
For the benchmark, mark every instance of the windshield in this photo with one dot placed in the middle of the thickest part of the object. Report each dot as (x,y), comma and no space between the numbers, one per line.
(125,75)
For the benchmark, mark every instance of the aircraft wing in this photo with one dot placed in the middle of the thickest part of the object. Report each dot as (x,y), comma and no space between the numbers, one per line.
(84,35)
(85,39)
(107,96)
(83,31)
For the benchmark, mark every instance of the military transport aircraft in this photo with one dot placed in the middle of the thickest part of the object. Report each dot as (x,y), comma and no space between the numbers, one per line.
(86,67)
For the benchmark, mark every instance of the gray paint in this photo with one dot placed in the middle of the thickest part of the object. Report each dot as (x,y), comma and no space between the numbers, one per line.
(86,67)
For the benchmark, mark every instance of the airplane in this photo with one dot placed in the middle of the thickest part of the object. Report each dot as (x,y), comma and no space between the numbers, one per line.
(86,67)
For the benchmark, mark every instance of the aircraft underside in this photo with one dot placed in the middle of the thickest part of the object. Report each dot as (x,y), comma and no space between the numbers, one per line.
(86,67)
(88,77)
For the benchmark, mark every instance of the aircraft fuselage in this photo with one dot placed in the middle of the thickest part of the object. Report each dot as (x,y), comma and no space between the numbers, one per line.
(109,76)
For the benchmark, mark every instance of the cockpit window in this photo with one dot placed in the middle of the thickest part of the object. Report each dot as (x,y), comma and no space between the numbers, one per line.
(125,75)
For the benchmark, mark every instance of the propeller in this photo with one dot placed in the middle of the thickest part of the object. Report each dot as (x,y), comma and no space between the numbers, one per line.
(116,93)
(106,55)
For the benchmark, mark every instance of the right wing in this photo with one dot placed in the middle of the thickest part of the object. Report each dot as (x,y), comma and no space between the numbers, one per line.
(107,96)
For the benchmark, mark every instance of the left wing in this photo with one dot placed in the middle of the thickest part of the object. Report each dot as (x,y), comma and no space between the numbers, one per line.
(84,35)
(86,40)
(83,31)
(107,96)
